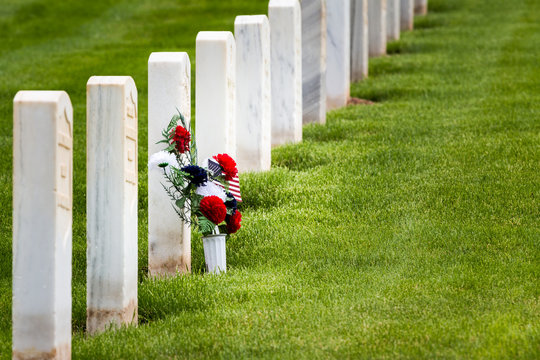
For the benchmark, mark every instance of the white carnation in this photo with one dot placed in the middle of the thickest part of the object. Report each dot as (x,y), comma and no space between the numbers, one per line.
(162,157)
(210,189)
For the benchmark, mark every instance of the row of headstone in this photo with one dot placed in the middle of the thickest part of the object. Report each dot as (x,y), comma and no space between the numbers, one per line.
(42,214)
(253,92)
(373,23)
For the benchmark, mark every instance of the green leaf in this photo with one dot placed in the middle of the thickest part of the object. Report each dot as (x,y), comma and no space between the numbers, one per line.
(180,203)
(196,202)
(206,226)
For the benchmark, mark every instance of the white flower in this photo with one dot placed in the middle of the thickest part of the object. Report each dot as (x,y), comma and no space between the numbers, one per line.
(160,158)
(210,189)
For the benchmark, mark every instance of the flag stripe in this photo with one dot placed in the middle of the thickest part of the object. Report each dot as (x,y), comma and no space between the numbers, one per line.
(234,188)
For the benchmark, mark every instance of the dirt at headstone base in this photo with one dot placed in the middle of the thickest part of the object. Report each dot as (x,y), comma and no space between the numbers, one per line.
(356,101)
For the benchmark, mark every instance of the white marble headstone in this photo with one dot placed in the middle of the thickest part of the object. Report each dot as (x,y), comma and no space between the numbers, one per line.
(42,224)
(314,61)
(359,40)
(377,27)
(254,93)
(215,100)
(169,91)
(407,15)
(392,19)
(285,18)
(111,202)
(338,50)
(420,7)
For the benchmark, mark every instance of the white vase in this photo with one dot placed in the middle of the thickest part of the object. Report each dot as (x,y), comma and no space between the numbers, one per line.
(214,253)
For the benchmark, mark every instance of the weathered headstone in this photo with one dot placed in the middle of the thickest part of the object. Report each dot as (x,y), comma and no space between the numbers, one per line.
(393,16)
(42,223)
(359,40)
(169,91)
(314,61)
(338,42)
(407,15)
(254,93)
(111,202)
(215,94)
(377,27)
(285,17)
(420,7)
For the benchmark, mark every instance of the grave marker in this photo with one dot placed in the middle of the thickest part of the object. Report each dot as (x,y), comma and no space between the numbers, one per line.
(285,18)
(359,40)
(377,27)
(42,224)
(112,179)
(407,15)
(338,71)
(215,94)
(169,91)
(314,61)
(254,93)
(420,7)
(392,21)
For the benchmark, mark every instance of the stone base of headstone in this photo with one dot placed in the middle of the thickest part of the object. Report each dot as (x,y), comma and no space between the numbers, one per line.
(99,320)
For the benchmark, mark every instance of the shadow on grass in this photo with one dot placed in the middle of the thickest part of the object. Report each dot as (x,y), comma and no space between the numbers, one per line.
(444,5)
(265,190)
(387,65)
(396,47)
(164,297)
(428,22)
(402,47)
(386,94)
(299,157)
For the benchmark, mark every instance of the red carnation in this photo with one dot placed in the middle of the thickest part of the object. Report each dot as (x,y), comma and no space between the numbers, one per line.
(213,208)
(181,137)
(228,165)
(233,222)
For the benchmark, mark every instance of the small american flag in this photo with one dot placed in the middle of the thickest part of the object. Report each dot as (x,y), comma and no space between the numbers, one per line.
(234,184)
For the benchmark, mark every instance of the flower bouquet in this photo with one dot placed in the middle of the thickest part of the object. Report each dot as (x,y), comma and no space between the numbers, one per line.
(205,197)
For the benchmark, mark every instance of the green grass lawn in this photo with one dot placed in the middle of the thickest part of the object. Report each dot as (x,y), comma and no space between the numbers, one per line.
(406,229)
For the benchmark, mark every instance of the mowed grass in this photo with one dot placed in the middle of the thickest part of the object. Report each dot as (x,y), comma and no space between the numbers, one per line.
(406,229)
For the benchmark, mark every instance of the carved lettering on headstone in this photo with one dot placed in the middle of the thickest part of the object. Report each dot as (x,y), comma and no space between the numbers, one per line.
(64,163)
(131,140)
